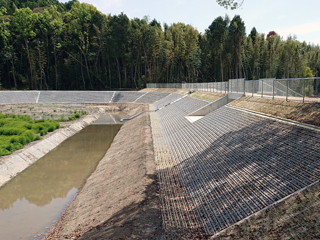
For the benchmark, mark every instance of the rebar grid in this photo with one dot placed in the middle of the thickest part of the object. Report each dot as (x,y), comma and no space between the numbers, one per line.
(176,207)
(233,164)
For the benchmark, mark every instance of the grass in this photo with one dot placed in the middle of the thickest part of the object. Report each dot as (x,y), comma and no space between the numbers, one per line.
(298,111)
(209,96)
(18,130)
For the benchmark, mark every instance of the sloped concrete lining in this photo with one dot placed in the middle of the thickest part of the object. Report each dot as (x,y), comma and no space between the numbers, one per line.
(210,107)
(18,162)
(233,96)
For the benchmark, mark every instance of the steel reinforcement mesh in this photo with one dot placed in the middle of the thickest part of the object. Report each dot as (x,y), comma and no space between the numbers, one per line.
(177,209)
(233,164)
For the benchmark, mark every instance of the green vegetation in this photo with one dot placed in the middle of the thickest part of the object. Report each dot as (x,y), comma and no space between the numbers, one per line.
(18,130)
(45,44)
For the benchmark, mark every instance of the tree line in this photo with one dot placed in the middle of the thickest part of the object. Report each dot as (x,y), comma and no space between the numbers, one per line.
(46,44)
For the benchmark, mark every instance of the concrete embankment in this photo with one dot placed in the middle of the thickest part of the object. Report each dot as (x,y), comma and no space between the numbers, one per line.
(19,161)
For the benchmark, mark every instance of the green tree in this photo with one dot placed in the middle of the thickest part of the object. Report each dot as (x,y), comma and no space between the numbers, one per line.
(217,34)
(237,33)
(232,4)
(25,21)
(6,39)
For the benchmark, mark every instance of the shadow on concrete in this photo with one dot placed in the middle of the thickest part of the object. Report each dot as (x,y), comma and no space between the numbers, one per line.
(243,171)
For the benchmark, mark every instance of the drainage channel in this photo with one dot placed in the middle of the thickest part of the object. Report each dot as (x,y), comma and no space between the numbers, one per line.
(34,200)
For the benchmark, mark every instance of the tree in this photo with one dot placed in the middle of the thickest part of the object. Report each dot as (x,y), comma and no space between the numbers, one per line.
(25,20)
(270,38)
(6,39)
(237,31)
(217,33)
(233,4)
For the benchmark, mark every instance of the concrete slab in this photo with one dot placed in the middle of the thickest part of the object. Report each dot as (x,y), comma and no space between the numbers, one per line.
(192,119)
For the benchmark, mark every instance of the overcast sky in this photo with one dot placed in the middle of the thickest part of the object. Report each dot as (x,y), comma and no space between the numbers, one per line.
(285,17)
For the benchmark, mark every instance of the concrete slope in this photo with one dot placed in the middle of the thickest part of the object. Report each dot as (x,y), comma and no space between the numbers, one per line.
(233,163)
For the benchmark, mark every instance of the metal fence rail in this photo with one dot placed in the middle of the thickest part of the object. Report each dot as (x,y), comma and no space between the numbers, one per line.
(299,89)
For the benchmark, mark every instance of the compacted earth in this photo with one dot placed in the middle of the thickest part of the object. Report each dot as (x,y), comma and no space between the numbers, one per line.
(120,199)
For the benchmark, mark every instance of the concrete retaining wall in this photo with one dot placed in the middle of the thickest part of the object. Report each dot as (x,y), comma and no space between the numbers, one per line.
(211,107)
(234,96)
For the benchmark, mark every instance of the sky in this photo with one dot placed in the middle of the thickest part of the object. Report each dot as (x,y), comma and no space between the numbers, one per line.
(285,17)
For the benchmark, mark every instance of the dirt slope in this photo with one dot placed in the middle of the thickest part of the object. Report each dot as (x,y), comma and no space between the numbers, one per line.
(294,110)
(120,199)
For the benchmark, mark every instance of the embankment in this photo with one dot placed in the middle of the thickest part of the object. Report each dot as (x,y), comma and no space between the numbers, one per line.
(120,198)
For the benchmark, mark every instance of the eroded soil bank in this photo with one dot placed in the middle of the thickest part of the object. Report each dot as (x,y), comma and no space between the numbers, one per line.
(120,199)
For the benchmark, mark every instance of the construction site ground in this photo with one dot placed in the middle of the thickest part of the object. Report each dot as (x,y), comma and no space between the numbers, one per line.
(120,200)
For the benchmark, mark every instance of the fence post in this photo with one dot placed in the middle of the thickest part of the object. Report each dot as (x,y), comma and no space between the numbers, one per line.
(273,88)
(287,89)
(244,87)
(262,88)
(304,89)
(237,85)
(252,87)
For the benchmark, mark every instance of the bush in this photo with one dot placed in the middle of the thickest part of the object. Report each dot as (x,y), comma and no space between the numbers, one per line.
(62,119)
(16,131)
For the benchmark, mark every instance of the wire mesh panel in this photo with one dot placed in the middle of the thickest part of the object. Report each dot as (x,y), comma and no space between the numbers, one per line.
(301,89)
(266,87)
(236,85)
(164,85)
(249,87)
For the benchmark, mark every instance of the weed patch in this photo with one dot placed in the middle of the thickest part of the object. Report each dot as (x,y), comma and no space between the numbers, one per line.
(18,130)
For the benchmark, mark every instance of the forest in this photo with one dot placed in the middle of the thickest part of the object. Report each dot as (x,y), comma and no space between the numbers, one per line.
(48,45)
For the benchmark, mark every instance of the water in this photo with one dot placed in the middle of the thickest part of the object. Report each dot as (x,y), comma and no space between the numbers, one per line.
(36,198)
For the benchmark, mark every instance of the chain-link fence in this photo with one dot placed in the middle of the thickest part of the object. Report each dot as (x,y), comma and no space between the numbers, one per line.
(301,89)
(219,87)
(164,85)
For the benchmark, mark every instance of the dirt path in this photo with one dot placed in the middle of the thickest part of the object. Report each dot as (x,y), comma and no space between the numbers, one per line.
(120,199)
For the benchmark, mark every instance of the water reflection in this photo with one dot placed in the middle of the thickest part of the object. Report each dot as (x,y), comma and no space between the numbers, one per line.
(47,186)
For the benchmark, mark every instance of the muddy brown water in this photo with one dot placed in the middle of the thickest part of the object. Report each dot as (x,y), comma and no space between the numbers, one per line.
(35,199)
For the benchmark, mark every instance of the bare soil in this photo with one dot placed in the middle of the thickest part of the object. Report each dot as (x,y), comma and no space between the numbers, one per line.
(294,110)
(209,96)
(294,218)
(120,199)
(44,111)
(175,90)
